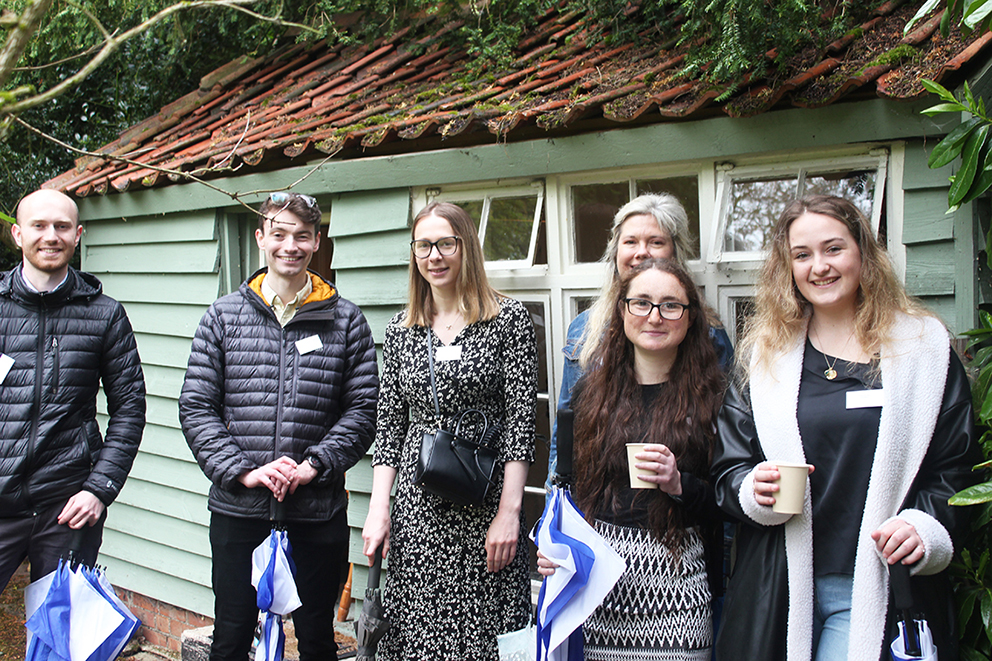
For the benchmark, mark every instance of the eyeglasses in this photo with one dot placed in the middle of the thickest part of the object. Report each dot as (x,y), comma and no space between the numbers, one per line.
(670,310)
(446,245)
(285,198)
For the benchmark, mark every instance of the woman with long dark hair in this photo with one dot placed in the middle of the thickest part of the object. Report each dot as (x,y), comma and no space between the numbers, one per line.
(654,379)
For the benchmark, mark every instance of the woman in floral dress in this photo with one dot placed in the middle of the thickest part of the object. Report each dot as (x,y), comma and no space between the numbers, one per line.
(457,574)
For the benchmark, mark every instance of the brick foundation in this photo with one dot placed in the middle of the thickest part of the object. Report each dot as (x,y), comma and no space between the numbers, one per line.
(162,624)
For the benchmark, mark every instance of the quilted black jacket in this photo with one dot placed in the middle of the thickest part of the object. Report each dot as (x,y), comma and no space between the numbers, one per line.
(253,394)
(63,344)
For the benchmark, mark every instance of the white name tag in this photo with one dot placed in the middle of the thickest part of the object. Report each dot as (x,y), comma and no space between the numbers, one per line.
(308,344)
(6,362)
(453,352)
(864,399)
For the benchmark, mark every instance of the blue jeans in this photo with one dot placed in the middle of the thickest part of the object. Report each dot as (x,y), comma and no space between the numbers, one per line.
(831,616)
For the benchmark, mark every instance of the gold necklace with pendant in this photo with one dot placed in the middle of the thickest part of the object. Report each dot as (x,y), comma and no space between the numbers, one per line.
(830,373)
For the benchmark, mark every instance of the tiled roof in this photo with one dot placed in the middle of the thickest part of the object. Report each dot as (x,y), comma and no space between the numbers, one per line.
(303,102)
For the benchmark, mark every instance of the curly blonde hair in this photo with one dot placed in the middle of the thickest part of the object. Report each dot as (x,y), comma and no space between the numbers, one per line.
(781,311)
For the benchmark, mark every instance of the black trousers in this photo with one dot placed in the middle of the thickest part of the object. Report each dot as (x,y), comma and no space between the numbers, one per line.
(42,540)
(319,549)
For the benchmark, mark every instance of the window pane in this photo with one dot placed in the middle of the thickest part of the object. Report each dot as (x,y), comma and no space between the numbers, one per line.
(474,209)
(857,186)
(593,208)
(754,208)
(509,228)
(686,189)
(541,249)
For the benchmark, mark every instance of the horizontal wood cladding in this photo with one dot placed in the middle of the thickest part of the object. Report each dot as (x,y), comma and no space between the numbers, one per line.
(369,211)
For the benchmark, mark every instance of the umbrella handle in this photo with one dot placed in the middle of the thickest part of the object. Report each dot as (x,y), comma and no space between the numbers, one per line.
(565,439)
(376,569)
(278,512)
(74,549)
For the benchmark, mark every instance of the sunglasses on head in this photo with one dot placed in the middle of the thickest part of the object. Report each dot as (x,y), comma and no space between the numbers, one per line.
(285,198)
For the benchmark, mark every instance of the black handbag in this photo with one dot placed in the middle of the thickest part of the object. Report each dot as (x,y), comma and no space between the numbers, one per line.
(451,465)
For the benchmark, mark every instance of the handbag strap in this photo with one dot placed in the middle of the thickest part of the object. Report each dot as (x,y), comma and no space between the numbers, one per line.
(430,363)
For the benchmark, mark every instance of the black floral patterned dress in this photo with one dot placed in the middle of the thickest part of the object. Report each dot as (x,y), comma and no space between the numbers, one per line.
(440,600)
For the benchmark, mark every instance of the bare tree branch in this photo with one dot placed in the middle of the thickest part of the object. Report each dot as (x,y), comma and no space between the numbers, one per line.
(110,45)
(190,176)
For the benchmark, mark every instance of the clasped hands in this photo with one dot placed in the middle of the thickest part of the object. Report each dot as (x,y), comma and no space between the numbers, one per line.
(281,477)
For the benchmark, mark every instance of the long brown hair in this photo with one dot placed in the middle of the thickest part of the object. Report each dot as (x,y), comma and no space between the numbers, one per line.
(610,410)
(477,300)
(781,311)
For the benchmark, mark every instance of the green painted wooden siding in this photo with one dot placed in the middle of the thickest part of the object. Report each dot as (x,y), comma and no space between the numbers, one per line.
(163,269)
(940,247)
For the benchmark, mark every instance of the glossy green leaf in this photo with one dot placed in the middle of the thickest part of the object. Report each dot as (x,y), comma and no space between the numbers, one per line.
(967,609)
(980,493)
(939,90)
(927,7)
(968,96)
(969,164)
(985,605)
(951,146)
(943,107)
(978,11)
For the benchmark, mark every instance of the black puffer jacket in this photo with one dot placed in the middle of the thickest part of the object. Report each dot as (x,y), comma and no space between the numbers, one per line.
(63,343)
(251,396)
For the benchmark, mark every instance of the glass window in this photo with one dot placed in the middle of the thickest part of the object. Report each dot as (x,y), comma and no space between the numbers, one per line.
(511,222)
(686,190)
(750,199)
(593,208)
(595,205)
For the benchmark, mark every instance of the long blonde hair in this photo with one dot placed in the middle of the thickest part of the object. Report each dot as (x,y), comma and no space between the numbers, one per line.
(672,219)
(477,300)
(781,311)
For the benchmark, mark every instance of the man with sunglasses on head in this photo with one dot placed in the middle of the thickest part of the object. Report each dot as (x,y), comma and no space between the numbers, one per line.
(60,338)
(279,401)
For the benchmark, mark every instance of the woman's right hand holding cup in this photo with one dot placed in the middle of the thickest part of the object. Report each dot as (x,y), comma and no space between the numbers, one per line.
(766,478)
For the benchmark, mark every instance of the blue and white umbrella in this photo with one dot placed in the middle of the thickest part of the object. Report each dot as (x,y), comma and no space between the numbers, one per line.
(588,567)
(73,614)
(273,574)
(914,642)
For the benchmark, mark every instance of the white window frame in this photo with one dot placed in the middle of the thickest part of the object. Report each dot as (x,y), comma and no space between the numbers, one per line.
(727,174)
(486,193)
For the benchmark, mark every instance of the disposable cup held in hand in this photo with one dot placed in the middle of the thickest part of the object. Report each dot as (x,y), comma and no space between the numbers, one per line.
(791,487)
(632,449)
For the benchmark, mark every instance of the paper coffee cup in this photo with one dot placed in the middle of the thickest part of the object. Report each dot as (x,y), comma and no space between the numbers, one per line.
(632,449)
(791,487)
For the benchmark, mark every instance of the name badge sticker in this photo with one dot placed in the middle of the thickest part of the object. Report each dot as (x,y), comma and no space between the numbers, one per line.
(6,362)
(308,344)
(865,399)
(452,352)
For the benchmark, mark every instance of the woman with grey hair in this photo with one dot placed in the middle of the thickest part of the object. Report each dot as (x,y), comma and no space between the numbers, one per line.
(651,226)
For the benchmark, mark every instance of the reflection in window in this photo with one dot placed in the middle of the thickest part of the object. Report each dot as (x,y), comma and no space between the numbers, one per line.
(507,224)
(595,205)
(593,208)
(686,190)
(755,204)
(508,228)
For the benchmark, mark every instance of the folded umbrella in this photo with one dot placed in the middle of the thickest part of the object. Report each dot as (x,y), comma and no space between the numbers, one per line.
(273,574)
(372,623)
(73,614)
(588,567)
(914,642)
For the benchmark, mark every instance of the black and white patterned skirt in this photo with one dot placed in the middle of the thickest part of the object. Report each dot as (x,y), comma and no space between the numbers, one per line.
(659,610)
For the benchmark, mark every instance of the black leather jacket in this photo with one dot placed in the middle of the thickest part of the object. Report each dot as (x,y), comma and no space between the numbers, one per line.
(755,613)
(250,396)
(63,344)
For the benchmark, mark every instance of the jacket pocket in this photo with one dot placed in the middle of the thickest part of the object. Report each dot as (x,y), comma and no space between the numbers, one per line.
(94,440)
